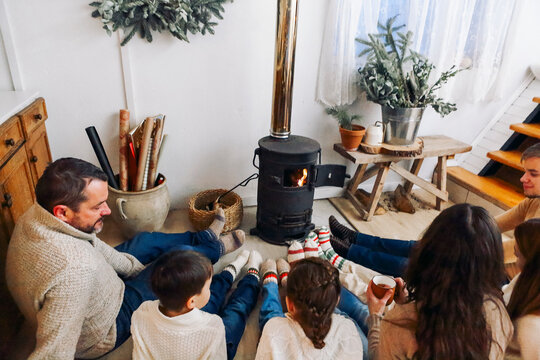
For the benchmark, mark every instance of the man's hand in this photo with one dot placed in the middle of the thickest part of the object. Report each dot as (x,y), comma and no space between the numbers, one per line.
(402,294)
(376,305)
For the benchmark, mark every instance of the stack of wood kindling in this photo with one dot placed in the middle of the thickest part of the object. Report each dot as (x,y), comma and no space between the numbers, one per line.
(139,152)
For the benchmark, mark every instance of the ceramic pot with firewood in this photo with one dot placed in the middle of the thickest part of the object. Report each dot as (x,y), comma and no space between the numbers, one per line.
(138,211)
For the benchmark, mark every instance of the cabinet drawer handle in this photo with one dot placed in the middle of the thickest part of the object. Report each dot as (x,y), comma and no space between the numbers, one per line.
(10,142)
(9,202)
(38,117)
(34,159)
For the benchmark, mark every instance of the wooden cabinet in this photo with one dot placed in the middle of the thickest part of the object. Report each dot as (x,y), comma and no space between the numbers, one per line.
(24,154)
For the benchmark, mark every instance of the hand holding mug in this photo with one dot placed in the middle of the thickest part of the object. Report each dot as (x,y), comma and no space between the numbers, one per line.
(375,304)
(382,284)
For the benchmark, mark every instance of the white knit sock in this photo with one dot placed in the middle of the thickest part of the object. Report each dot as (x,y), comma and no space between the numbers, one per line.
(324,238)
(236,266)
(311,249)
(295,252)
(254,263)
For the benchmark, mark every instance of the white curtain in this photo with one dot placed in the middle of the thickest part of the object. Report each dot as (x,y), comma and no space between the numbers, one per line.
(337,65)
(464,33)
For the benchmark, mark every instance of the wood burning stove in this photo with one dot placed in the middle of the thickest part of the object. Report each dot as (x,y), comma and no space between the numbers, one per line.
(289,166)
(289,172)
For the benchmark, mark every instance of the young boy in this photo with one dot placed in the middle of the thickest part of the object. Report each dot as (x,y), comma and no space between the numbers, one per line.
(184,322)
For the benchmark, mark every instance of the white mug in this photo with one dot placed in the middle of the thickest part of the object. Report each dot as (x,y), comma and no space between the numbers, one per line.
(374,134)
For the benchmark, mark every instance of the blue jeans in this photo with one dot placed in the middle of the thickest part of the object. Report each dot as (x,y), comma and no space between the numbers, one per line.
(271,304)
(236,312)
(349,306)
(147,247)
(387,256)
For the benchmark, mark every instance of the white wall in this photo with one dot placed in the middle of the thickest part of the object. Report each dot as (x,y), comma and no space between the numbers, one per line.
(216,90)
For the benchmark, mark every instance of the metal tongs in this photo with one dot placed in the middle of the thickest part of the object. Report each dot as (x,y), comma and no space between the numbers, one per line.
(215,204)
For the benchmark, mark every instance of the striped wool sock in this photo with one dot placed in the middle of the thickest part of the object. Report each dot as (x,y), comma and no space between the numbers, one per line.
(296,252)
(335,259)
(269,271)
(254,263)
(283,269)
(324,239)
(311,249)
(236,266)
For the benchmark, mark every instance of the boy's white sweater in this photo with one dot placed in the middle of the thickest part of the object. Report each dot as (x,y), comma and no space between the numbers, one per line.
(196,335)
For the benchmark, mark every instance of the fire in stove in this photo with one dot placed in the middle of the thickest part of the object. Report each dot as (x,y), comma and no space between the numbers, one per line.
(296,177)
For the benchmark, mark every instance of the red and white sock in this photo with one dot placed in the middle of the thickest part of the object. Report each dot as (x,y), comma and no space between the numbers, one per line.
(269,271)
(311,249)
(324,240)
(296,252)
(283,269)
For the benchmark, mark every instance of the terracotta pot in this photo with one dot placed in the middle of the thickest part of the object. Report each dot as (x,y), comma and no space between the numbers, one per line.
(351,139)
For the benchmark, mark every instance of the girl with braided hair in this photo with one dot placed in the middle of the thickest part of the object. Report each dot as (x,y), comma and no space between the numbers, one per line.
(451,306)
(310,329)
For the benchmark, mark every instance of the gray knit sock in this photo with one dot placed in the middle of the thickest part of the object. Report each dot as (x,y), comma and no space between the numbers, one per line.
(219,222)
(233,241)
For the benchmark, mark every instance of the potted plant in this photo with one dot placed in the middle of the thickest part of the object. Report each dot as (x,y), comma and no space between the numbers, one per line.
(351,134)
(398,79)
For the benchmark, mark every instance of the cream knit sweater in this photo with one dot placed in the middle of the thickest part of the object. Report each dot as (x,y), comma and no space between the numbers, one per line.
(196,335)
(284,339)
(66,283)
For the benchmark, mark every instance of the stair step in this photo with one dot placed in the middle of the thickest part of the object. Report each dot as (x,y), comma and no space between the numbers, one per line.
(532,130)
(492,189)
(510,158)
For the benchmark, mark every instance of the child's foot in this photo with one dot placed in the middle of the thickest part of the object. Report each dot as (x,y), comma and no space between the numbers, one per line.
(341,247)
(233,241)
(335,259)
(341,231)
(311,249)
(283,269)
(296,252)
(236,266)
(269,271)
(324,236)
(219,222)
(254,263)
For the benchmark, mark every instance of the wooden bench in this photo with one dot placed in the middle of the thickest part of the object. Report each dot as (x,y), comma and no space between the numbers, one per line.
(439,146)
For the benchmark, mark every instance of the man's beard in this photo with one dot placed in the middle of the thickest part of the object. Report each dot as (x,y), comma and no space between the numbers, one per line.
(93,228)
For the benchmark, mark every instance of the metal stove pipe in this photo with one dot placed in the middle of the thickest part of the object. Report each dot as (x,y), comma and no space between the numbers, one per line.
(284,68)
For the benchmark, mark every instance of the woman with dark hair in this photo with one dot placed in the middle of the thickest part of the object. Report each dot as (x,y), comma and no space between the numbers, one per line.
(451,307)
(524,304)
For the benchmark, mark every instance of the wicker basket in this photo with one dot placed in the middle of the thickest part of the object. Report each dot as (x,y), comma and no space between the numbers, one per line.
(202,218)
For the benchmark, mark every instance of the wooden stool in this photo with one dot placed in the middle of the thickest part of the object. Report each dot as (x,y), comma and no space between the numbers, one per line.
(439,146)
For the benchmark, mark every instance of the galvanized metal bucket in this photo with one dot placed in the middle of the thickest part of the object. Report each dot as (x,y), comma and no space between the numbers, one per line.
(401,124)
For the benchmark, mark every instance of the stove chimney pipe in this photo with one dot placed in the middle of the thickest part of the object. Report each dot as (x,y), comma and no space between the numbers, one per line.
(284,68)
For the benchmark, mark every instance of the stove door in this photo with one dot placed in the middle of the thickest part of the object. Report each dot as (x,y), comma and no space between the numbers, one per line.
(329,175)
